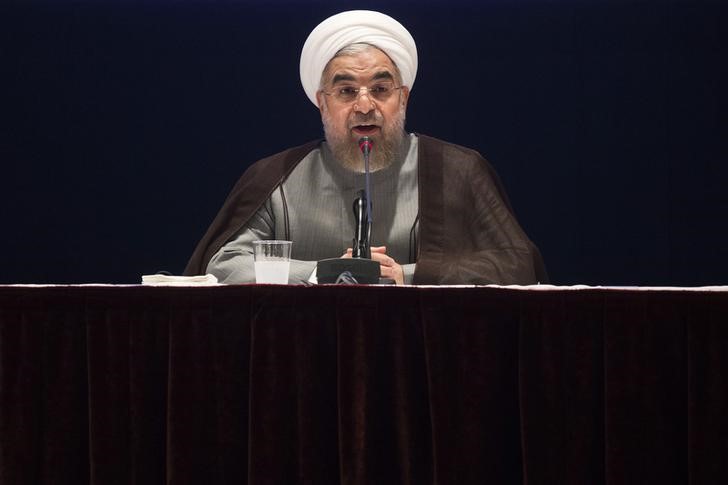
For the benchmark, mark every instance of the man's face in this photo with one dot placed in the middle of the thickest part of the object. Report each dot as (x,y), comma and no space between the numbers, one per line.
(381,120)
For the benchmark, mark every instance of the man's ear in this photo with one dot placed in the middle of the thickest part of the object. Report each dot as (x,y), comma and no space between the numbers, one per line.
(405,96)
(320,101)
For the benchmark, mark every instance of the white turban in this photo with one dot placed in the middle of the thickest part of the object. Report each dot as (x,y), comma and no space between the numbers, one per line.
(346,28)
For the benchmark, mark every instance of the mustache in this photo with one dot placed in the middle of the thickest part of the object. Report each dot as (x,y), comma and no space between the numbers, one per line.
(370,118)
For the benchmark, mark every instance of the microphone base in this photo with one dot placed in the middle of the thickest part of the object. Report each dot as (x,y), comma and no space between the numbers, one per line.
(365,271)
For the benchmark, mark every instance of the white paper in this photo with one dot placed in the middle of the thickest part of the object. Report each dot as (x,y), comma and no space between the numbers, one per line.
(167,280)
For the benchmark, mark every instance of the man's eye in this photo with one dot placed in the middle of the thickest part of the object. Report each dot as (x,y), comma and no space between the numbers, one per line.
(348,91)
(379,89)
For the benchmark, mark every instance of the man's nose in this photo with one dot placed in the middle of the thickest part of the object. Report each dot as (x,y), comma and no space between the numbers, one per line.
(364,103)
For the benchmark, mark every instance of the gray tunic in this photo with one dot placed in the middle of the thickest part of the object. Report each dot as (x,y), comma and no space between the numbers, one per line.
(317,199)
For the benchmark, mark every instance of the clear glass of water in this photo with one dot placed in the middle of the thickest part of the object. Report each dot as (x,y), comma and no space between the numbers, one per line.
(272,261)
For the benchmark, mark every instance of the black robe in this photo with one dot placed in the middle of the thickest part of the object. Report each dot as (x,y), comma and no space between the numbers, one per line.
(468,233)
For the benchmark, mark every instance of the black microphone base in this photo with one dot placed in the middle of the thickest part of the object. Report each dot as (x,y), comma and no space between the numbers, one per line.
(364,271)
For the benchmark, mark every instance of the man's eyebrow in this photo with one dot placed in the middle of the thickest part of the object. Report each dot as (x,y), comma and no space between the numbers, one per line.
(382,75)
(349,78)
(342,77)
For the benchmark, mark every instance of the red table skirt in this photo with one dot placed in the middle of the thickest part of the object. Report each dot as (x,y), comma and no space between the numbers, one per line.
(362,385)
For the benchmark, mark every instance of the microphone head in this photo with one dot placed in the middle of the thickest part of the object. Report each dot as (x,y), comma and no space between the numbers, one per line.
(365,145)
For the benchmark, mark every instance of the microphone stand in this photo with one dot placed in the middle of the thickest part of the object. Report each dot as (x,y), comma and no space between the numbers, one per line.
(363,208)
(360,247)
(361,267)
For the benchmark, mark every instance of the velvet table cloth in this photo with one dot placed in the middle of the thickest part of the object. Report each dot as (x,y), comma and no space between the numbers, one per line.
(258,384)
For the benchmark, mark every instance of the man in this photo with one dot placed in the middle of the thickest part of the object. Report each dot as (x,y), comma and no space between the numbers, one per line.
(440,215)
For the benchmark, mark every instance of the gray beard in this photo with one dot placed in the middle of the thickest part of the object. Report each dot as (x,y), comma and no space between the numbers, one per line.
(388,147)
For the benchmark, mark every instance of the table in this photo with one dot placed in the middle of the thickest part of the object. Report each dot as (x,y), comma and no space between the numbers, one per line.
(263,384)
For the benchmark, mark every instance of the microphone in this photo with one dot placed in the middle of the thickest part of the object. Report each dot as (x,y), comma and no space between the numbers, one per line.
(360,267)
(365,145)
(363,208)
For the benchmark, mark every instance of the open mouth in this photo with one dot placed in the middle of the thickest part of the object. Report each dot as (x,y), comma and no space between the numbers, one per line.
(363,130)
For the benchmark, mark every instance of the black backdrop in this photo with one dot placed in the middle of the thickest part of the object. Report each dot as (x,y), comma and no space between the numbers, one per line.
(124,124)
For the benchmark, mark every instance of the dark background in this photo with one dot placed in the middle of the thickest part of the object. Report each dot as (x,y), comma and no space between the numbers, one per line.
(125,124)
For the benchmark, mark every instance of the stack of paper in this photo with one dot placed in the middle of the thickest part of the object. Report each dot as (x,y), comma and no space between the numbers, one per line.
(168,280)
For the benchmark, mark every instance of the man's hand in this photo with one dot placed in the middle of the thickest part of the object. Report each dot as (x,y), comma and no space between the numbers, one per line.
(388,267)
